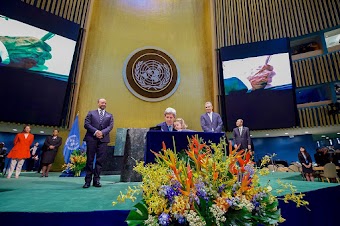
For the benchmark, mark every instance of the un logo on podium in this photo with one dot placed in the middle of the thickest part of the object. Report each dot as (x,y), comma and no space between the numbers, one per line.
(151,74)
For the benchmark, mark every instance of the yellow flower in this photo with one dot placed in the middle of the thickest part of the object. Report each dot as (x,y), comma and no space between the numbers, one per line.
(157,205)
(180,205)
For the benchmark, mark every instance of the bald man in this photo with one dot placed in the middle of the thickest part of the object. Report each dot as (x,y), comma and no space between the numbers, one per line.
(241,136)
(98,124)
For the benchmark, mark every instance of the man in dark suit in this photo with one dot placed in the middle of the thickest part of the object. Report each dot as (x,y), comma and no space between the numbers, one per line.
(168,124)
(98,124)
(241,136)
(3,154)
(211,121)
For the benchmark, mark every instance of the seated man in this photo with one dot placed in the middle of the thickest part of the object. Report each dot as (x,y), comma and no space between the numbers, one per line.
(3,153)
(322,156)
(168,124)
(336,157)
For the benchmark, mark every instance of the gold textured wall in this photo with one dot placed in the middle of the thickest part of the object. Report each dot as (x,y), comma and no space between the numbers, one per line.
(118,27)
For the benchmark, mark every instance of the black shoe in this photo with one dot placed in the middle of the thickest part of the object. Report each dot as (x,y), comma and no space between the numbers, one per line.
(98,185)
(86,185)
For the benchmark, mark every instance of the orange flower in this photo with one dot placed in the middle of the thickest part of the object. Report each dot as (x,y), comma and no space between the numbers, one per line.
(222,204)
(246,180)
(215,173)
(188,182)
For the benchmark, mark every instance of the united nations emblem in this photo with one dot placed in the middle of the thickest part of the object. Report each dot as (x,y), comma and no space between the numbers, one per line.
(151,74)
(72,142)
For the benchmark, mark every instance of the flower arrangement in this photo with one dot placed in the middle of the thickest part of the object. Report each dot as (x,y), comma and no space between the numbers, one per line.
(77,163)
(203,186)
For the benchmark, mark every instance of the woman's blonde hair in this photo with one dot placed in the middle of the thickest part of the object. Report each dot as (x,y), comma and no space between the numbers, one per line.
(180,120)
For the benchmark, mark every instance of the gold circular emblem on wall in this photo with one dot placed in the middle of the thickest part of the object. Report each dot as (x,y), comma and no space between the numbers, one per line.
(151,74)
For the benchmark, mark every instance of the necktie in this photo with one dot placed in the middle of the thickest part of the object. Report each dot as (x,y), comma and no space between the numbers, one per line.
(170,128)
(240,130)
(210,116)
(101,115)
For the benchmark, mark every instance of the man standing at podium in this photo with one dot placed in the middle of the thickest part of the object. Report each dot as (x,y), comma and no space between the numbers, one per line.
(211,121)
(98,124)
(241,136)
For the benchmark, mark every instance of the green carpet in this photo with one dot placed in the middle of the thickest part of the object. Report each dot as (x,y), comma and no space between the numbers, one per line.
(31,193)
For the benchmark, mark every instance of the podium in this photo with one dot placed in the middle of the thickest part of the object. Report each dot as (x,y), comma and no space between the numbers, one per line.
(139,142)
(133,150)
(175,140)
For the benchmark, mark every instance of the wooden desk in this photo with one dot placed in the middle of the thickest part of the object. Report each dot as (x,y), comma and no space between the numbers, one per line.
(321,168)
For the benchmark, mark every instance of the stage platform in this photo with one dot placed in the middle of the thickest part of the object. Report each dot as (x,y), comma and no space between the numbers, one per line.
(54,200)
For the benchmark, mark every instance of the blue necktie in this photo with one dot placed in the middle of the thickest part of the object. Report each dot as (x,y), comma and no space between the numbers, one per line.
(170,128)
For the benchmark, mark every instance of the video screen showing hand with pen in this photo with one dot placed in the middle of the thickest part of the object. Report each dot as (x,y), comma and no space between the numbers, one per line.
(255,73)
(28,47)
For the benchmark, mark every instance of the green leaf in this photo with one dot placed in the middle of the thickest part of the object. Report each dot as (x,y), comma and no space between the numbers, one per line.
(139,215)
(135,222)
(204,212)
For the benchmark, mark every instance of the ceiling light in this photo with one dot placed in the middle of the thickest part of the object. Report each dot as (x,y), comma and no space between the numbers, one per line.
(338,133)
(306,132)
(15,130)
(286,133)
(323,136)
(42,131)
(267,134)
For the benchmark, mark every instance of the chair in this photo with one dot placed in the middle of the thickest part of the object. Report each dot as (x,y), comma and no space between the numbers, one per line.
(282,169)
(272,168)
(294,168)
(330,172)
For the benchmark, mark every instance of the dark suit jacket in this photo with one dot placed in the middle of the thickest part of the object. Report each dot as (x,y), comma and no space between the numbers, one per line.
(164,127)
(216,123)
(243,139)
(92,124)
(50,141)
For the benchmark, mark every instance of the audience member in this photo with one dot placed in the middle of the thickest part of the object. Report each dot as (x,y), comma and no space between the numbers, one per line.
(32,161)
(20,151)
(50,149)
(306,162)
(322,156)
(336,158)
(169,116)
(211,121)
(3,154)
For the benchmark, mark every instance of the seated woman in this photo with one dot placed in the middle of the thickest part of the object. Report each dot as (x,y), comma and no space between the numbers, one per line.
(306,162)
(180,125)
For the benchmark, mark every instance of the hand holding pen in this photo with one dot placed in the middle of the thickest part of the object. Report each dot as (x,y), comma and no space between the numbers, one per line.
(27,52)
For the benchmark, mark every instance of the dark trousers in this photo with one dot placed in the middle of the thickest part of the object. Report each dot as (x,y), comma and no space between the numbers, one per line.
(30,164)
(98,149)
(2,164)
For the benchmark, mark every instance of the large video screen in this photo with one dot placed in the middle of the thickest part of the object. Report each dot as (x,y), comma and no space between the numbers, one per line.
(35,49)
(258,85)
(37,52)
